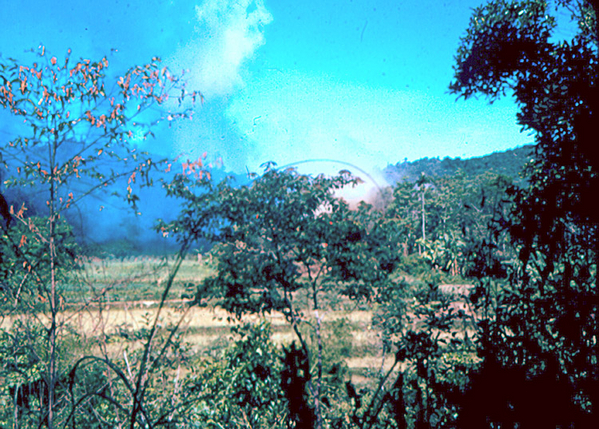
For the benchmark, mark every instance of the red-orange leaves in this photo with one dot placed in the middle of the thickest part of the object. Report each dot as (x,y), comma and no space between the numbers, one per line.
(36,73)
(132,177)
(101,121)
(24,85)
(195,168)
(76,69)
(124,83)
(76,107)
(90,118)
(21,211)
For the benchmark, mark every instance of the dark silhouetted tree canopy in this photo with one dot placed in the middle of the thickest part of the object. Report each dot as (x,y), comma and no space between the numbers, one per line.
(543,336)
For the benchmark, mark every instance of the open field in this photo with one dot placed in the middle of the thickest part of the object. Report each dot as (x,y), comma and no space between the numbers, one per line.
(206,329)
(132,288)
(137,279)
(119,298)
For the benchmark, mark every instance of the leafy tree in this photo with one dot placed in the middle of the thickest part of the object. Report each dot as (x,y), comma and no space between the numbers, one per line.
(459,210)
(468,210)
(77,137)
(427,354)
(25,263)
(241,386)
(404,211)
(541,335)
(286,243)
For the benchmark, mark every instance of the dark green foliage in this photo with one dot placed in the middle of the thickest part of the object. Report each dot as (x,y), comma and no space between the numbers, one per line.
(508,163)
(119,249)
(25,383)
(25,271)
(541,327)
(425,339)
(458,229)
(283,227)
(295,379)
(285,243)
(242,384)
(555,85)
(433,348)
(527,397)
(283,234)
(22,353)
(25,263)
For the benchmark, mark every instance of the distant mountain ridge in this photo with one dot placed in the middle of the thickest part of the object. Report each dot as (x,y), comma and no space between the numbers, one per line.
(508,163)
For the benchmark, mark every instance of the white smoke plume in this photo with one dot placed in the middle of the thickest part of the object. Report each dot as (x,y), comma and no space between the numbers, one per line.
(228,34)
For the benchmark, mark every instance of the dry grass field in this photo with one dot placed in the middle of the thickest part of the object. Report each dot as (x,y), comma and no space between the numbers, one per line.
(116,299)
(132,288)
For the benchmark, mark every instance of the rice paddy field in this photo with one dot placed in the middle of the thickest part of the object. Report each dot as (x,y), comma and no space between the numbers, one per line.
(118,298)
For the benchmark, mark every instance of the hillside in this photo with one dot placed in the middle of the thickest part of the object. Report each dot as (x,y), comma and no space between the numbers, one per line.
(508,163)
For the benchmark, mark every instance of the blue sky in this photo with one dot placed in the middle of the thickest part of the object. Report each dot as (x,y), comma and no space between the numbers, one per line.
(363,82)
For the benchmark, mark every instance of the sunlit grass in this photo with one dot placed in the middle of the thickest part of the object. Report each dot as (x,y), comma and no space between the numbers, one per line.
(117,299)
(135,279)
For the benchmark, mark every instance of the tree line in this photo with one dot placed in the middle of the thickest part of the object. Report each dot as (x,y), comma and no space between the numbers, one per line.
(520,351)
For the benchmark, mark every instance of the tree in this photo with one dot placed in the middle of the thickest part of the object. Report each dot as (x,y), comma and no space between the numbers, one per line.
(77,137)
(459,209)
(285,244)
(542,334)
(241,386)
(404,211)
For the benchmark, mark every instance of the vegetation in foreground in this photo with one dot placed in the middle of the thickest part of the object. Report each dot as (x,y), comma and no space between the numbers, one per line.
(520,352)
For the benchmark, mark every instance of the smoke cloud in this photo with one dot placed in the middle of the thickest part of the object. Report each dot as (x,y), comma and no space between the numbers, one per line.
(228,33)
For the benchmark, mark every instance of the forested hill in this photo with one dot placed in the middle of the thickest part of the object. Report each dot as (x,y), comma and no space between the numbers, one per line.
(508,163)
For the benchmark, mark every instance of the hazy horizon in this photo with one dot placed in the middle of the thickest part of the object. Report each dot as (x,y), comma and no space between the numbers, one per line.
(362,82)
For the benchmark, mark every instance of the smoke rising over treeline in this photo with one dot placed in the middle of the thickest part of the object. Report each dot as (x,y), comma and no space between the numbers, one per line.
(106,224)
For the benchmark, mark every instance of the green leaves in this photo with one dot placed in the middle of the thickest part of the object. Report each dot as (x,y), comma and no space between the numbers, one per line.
(459,213)
(286,243)
(502,35)
(242,385)
(78,134)
(533,329)
(287,232)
